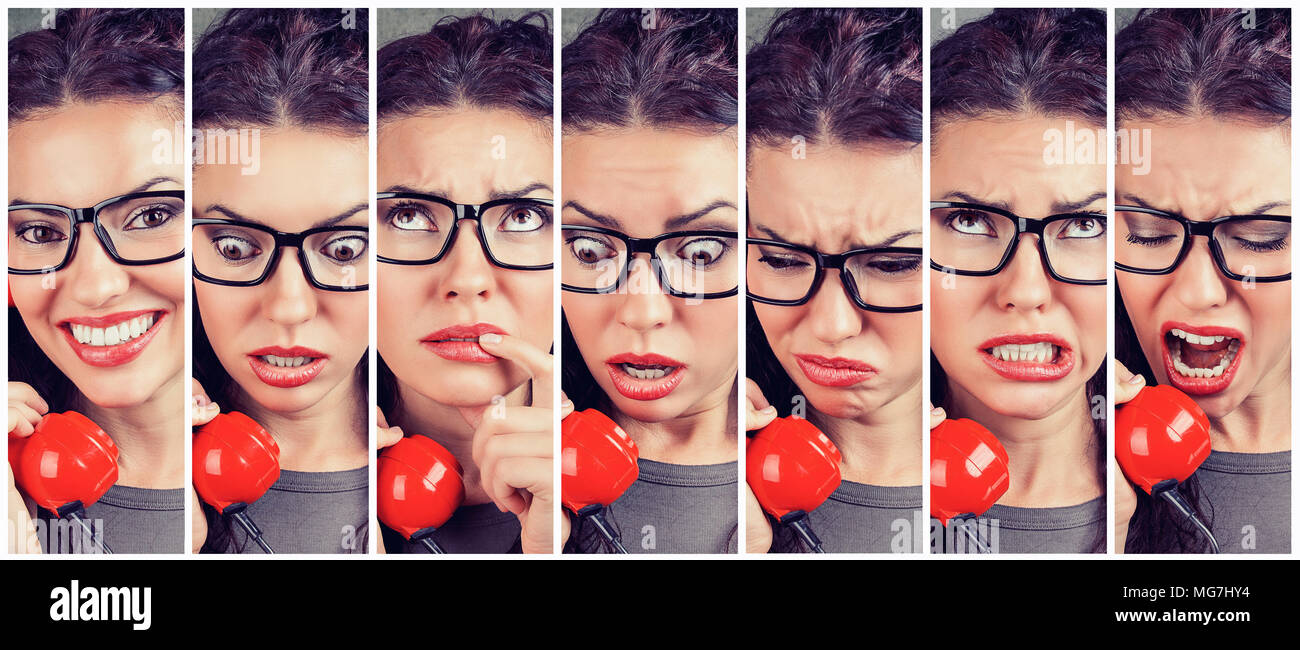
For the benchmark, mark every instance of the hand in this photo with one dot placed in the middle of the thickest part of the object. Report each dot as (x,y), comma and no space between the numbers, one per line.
(202,410)
(566,408)
(937,416)
(388,436)
(758,414)
(26,408)
(513,445)
(1127,386)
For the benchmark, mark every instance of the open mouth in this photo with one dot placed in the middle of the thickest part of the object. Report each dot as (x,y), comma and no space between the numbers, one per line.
(1201,360)
(112,340)
(1028,357)
(286,367)
(644,377)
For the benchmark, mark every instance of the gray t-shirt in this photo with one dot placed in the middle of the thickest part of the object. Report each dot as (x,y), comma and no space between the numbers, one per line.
(671,509)
(861,518)
(132,520)
(474,529)
(1250,499)
(1010,529)
(310,512)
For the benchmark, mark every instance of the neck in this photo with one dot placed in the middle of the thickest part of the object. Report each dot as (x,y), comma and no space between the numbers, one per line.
(328,436)
(1262,422)
(452,427)
(149,437)
(704,435)
(882,447)
(1052,458)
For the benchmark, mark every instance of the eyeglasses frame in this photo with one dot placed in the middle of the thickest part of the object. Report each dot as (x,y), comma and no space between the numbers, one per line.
(636,245)
(282,240)
(470,211)
(90,215)
(825,261)
(1205,229)
(1023,225)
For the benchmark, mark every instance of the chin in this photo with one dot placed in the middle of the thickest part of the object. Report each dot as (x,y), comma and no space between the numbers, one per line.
(649,411)
(115,395)
(1024,402)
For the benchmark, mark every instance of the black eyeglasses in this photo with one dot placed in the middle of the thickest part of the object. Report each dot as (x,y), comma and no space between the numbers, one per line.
(421,229)
(242,254)
(779,273)
(979,240)
(687,263)
(1244,247)
(134,229)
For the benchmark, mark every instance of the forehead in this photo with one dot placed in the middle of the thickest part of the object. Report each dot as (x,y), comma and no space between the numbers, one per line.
(1205,167)
(85,153)
(643,177)
(299,178)
(1010,161)
(465,154)
(835,197)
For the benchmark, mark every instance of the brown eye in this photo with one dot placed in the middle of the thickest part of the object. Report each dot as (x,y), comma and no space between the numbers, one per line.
(523,218)
(702,252)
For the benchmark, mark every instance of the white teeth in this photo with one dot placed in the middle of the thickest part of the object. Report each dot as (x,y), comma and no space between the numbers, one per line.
(1187,371)
(648,373)
(286,362)
(1196,339)
(113,334)
(1027,353)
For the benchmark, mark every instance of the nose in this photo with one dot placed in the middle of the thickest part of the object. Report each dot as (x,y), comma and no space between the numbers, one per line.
(1196,282)
(833,315)
(644,305)
(1024,283)
(93,278)
(291,299)
(467,272)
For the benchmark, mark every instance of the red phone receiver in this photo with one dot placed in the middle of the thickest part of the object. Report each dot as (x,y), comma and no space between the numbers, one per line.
(792,468)
(598,462)
(1161,437)
(235,462)
(420,486)
(968,470)
(66,465)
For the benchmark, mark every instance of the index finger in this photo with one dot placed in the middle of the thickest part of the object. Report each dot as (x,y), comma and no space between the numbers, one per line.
(20,392)
(538,363)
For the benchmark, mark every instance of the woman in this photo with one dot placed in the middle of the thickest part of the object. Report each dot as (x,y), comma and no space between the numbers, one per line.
(96,312)
(650,163)
(1204,97)
(1018,248)
(465,283)
(836,169)
(280,249)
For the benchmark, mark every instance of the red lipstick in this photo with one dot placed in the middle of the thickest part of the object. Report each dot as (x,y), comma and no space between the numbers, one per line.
(286,376)
(833,371)
(107,356)
(644,377)
(460,342)
(1226,356)
(1055,366)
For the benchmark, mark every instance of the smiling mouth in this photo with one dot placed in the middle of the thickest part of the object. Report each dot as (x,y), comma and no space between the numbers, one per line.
(1201,356)
(123,332)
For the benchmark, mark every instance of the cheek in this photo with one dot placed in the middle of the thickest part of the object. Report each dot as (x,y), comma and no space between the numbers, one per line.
(951,310)
(1140,295)
(780,325)
(351,315)
(1087,305)
(225,311)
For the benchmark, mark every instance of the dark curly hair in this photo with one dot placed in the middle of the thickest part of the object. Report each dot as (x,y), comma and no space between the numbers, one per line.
(1025,61)
(271,68)
(1187,63)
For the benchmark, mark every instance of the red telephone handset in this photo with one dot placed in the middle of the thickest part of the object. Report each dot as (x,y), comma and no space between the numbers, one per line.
(598,462)
(420,486)
(65,466)
(792,468)
(1161,438)
(235,462)
(968,472)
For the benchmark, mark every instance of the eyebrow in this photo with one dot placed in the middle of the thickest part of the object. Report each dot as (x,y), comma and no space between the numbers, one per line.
(670,225)
(143,187)
(324,223)
(494,195)
(1058,207)
(1259,209)
(888,241)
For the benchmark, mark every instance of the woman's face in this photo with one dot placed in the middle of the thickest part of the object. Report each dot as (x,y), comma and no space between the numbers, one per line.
(77,157)
(1203,169)
(305,179)
(833,200)
(644,183)
(1000,163)
(471,157)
